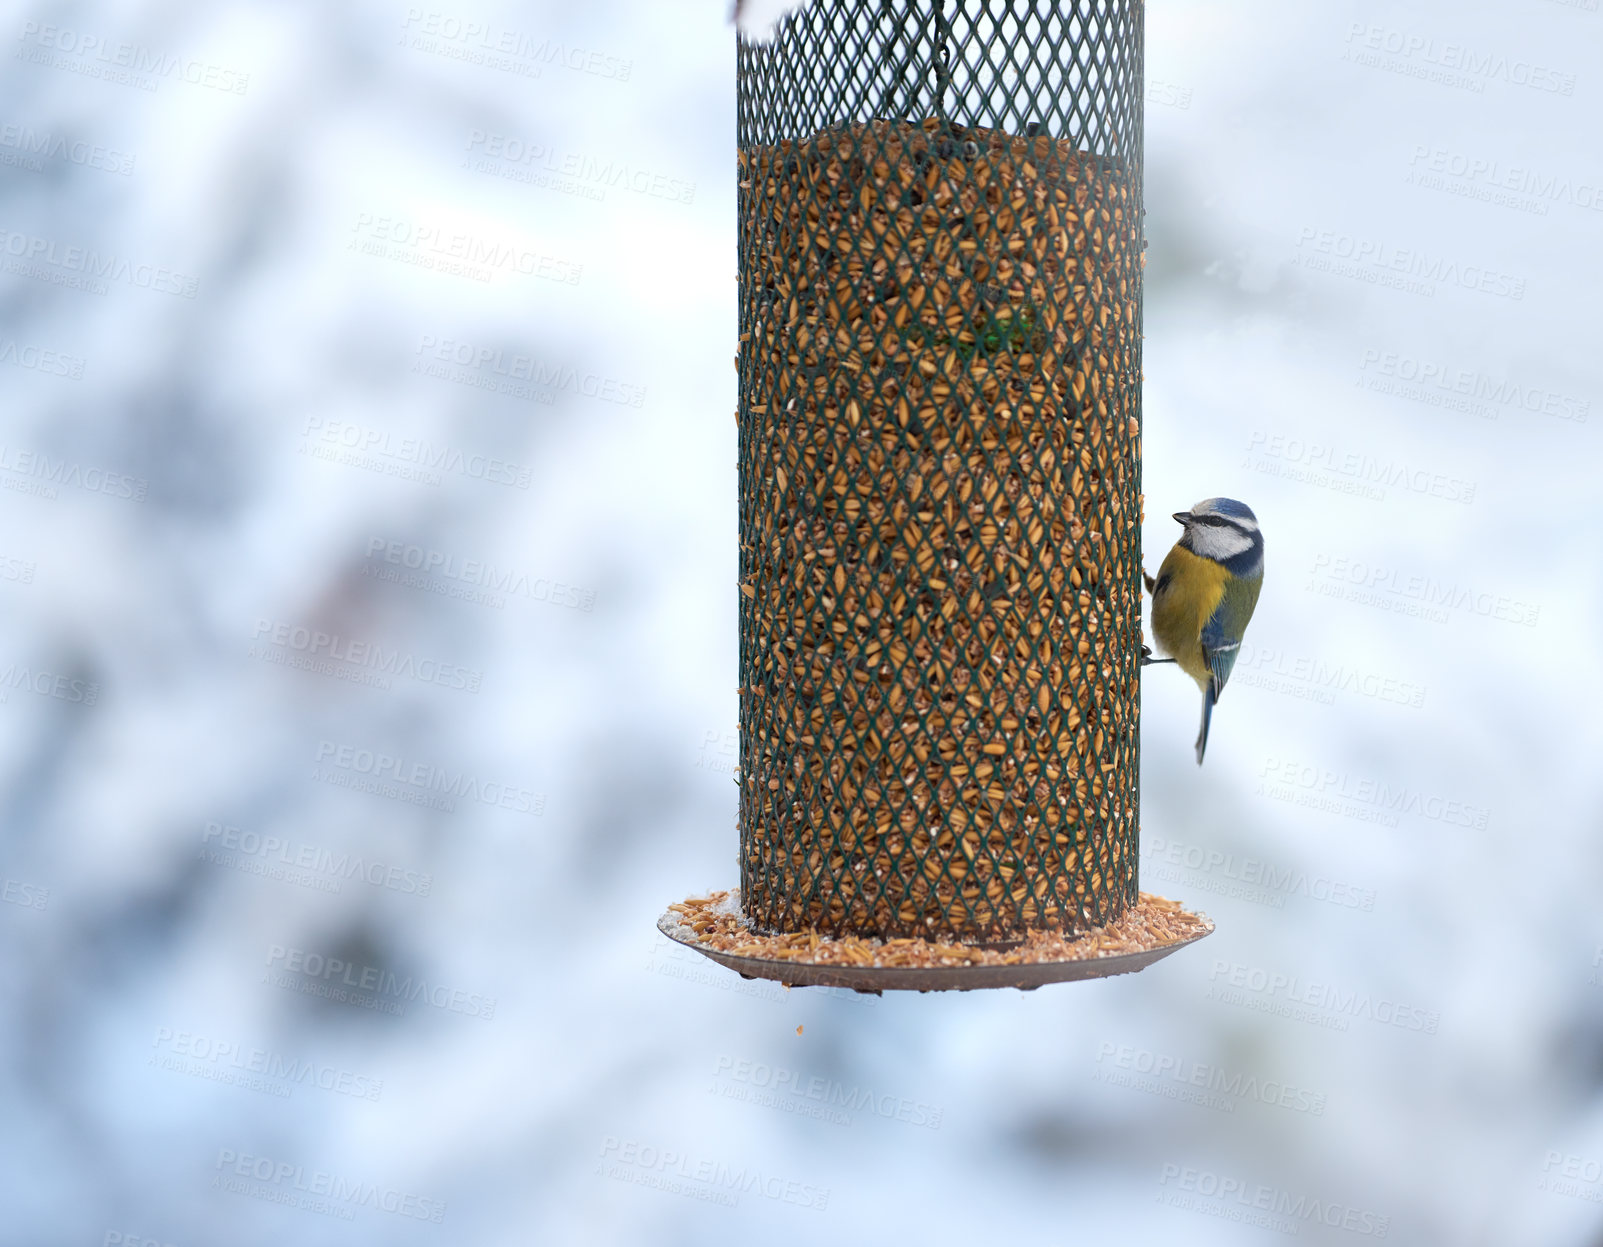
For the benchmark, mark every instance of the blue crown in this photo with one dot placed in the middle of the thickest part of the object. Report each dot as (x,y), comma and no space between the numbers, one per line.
(1225,506)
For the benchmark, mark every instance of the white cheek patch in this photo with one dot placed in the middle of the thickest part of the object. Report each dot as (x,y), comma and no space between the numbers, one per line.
(1219,542)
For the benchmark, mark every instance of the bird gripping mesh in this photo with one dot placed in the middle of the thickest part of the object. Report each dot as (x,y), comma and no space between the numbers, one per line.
(939,467)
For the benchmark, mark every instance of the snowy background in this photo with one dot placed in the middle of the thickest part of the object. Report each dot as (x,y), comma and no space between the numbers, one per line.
(267,736)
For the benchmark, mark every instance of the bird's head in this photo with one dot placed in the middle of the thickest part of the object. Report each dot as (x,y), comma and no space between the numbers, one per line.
(1225,531)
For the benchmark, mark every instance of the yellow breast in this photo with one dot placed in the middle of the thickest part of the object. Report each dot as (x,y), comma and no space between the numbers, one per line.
(1192,592)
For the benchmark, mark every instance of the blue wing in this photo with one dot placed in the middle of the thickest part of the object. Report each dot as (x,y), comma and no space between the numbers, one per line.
(1221,635)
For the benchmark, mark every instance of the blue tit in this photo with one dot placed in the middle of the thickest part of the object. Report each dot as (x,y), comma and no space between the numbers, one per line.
(1205,594)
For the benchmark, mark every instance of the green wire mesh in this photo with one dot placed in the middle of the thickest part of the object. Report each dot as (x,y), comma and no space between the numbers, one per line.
(939,457)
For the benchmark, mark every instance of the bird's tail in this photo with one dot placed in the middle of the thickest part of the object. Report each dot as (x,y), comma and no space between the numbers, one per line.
(1207,715)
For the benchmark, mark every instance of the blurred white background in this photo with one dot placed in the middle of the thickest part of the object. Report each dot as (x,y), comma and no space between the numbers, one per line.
(367,625)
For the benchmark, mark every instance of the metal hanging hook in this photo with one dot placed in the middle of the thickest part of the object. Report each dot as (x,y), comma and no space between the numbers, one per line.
(943,58)
(897,88)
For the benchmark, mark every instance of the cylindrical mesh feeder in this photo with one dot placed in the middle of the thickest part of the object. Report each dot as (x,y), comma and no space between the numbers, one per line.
(940,250)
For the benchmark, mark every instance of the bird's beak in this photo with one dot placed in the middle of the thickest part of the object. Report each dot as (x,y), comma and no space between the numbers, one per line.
(1183,516)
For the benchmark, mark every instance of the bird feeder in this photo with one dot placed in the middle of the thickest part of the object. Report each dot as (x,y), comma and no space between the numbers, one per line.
(940,255)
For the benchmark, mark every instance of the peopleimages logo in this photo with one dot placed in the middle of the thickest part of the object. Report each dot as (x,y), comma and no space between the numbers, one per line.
(1241,1198)
(36,359)
(88,269)
(1464,389)
(1323,787)
(343,441)
(24,895)
(382,769)
(1351,471)
(1258,880)
(1197,1082)
(1278,992)
(313,649)
(1580,1177)
(369,986)
(1459,58)
(34,143)
(311,865)
(518,367)
(571,172)
(464,578)
(1375,584)
(824,1099)
(1483,177)
(1169,93)
(21,677)
(673,1171)
(98,57)
(36,473)
(256,1069)
(725,759)
(18,571)
(1317,680)
(280,1178)
(479,43)
(430,245)
(1414,269)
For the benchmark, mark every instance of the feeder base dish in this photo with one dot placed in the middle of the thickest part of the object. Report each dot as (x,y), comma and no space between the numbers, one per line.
(714,926)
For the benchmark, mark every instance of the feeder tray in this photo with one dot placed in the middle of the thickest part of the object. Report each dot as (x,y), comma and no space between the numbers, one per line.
(1147,932)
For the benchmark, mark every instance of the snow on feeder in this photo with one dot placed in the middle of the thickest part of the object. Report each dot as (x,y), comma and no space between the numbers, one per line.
(939,454)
